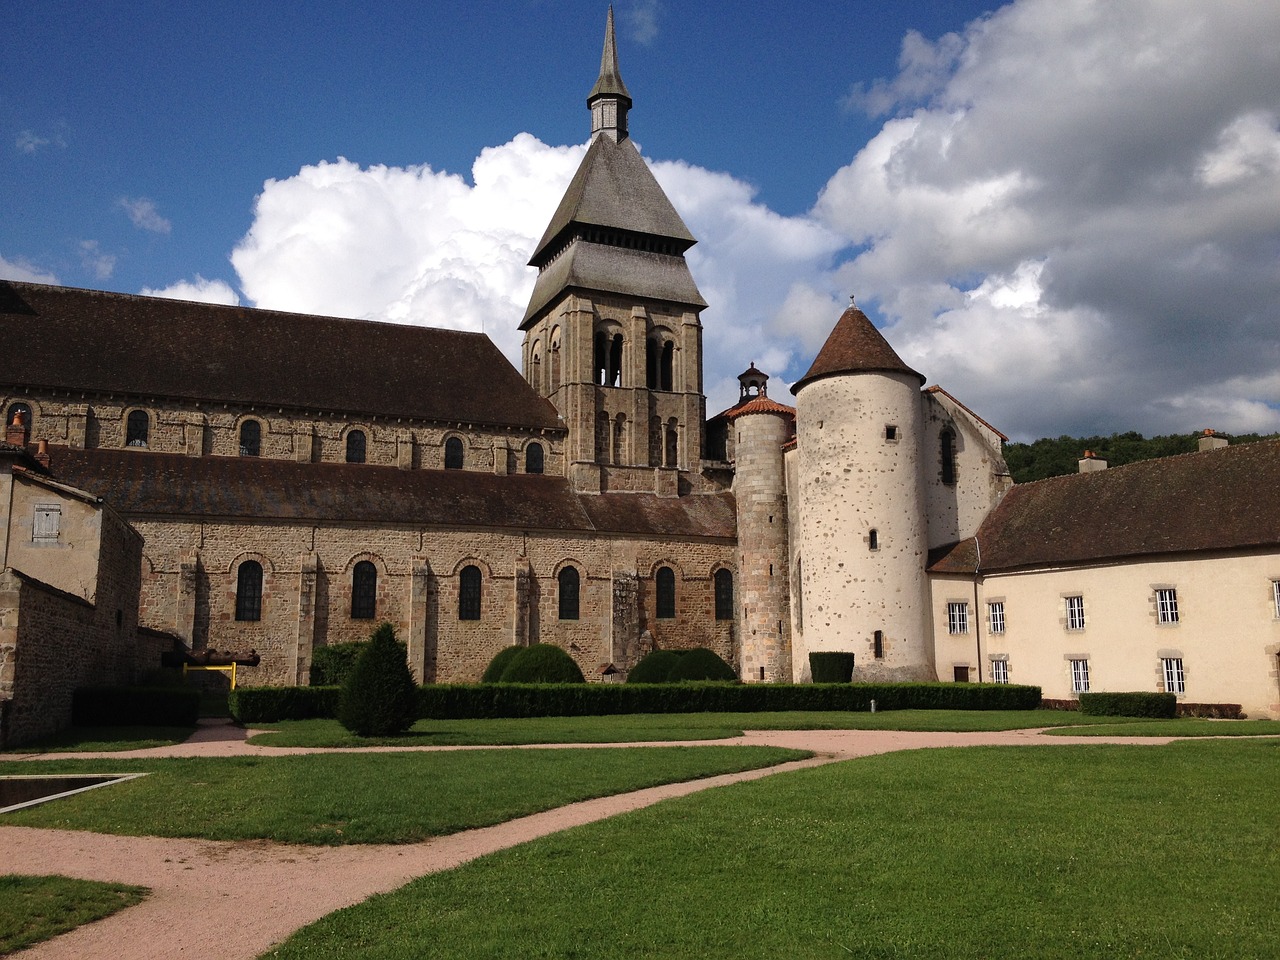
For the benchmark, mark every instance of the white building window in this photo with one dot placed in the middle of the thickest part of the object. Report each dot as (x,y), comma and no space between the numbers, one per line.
(46,523)
(957,618)
(1275,596)
(1079,676)
(1075,613)
(1174,680)
(1167,605)
(995,615)
(999,671)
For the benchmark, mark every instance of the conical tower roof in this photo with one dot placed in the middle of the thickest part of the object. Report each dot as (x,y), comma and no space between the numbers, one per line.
(609,83)
(854,346)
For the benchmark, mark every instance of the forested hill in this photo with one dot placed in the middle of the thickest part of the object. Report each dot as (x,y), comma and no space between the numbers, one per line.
(1056,456)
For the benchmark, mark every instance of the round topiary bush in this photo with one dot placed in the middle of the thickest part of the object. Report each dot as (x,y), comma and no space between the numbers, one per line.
(655,667)
(498,665)
(542,663)
(379,697)
(700,664)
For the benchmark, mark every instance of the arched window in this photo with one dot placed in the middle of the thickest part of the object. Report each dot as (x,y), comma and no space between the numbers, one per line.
(137,429)
(724,594)
(873,539)
(364,591)
(671,448)
(533,458)
(615,361)
(469,593)
(947,444)
(666,606)
(20,415)
(249,591)
(356,446)
(250,438)
(568,583)
(453,454)
(555,359)
(601,358)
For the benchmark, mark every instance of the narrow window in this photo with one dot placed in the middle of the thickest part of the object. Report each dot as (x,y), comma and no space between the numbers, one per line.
(666,593)
(877,645)
(250,439)
(249,591)
(568,583)
(947,444)
(137,429)
(1167,605)
(20,416)
(615,361)
(356,446)
(601,358)
(999,671)
(533,458)
(667,366)
(619,436)
(1079,676)
(555,361)
(995,611)
(891,434)
(651,363)
(724,594)
(1275,596)
(453,454)
(364,591)
(1174,679)
(957,618)
(873,539)
(1075,613)
(46,523)
(469,593)
(672,444)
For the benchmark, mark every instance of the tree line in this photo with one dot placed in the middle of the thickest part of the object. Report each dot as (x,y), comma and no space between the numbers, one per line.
(1057,456)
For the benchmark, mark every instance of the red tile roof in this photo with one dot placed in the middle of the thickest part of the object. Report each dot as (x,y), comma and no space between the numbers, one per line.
(758,405)
(96,342)
(142,484)
(1225,499)
(854,346)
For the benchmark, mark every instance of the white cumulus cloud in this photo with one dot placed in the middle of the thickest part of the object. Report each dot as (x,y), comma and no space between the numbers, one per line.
(24,270)
(144,215)
(97,261)
(199,290)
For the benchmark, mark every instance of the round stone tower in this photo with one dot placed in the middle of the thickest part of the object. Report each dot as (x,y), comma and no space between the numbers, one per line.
(760,428)
(863,540)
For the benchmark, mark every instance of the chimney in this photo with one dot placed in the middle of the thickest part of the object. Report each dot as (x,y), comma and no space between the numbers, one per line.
(16,432)
(42,453)
(1210,441)
(1091,462)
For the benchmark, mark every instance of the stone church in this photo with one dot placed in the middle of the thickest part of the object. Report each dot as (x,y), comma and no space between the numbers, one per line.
(294,480)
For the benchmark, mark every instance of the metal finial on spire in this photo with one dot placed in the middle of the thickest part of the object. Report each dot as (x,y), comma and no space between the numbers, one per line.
(852,301)
(609,100)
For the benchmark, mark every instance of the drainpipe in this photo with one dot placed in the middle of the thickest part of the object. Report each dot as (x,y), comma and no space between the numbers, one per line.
(977,614)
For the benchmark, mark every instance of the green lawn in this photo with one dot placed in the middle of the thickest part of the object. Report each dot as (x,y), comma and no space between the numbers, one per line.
(33,909)
(1180,727)
(624,728)
(101,739)
(1057,852)
(364,797)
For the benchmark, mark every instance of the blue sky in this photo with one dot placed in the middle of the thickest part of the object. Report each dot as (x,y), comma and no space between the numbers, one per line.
(1066,212)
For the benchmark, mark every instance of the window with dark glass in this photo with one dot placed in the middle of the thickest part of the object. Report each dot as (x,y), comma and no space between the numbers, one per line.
(666,584)
(137,429)
(356,446)
(453,454)
(250,438)
(364,591)
(249,591)
(469,593)
(533,458)
(724,594)
(568,584)
(948,452)
(666,366)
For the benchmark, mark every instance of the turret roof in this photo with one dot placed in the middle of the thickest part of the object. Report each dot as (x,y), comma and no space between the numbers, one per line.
(854,346)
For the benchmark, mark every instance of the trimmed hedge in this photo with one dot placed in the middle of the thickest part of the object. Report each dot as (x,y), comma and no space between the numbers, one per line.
(331,665)
(135,706)
(831,666)
(498,665)
(1161,706)
(700,664)
(542,663)
(460,702)
(654,667)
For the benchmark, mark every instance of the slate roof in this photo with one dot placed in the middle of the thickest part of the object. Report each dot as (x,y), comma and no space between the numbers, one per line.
(1225,499)
(140,483)
(854,346)
(93,341)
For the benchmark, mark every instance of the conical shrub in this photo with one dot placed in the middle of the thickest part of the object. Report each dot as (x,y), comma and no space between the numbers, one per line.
(379,698)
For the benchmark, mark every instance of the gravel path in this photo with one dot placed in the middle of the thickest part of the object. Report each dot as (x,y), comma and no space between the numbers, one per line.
(222,900)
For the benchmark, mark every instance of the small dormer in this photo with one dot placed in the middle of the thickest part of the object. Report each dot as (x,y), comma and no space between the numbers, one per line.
(752,383)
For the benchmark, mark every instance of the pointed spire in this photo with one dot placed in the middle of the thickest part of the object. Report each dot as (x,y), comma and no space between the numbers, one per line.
(609,100)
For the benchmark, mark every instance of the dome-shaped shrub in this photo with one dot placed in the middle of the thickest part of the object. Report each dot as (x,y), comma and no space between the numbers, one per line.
(542,663)
(379,697)
(701,664)
(655,667)
(498,665)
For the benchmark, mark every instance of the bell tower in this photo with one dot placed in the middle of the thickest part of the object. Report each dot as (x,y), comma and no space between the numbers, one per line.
(612,334)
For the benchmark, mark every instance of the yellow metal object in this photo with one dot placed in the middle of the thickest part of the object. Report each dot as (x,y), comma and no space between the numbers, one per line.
(230,668)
